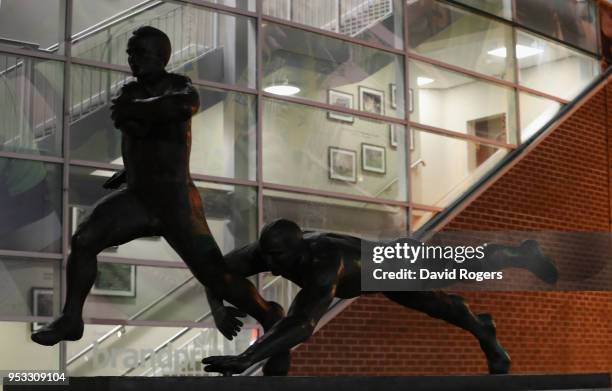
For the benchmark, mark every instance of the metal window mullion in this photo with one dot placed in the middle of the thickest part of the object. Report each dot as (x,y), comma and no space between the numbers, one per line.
(66,91)
(259,136)
(407,128)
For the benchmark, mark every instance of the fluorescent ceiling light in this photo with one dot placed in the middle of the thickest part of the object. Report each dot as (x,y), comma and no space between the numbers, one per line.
(522,51)
(282,89)
(423,81)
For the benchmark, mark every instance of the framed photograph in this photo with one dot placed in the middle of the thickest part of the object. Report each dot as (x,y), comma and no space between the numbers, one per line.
(342,164)
(373,158)
(393,136)
(115,279)
(371,100)
(42,305)
(342,99)
(393,92)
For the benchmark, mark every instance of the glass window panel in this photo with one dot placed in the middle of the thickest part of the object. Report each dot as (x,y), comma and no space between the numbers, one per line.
(137,292)
(31,101)
(571,21)
(30,205)
(376,21)
(535,113)
(309,147)
(223,130)
(443,167)
(329,70)
(461,38)
(29,287)
(224,206)
(316,213)
(206,45)
(462,104)
(502,8)
(43,22)
(21,353)
(180,353)
(93,136)
(553,68)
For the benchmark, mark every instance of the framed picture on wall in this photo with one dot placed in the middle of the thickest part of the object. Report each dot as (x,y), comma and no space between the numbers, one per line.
(371,100)
(342,99)
(373,158)
(393,93)
(342,164)
(115,279)
(42,305)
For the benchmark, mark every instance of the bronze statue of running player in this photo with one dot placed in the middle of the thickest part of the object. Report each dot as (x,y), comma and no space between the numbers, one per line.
(326,266)
(154,116)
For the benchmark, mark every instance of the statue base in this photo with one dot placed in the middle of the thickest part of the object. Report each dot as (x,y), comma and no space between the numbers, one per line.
(594,381)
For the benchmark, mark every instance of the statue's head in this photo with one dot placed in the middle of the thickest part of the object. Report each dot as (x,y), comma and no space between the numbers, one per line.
(148,51)
(281,244)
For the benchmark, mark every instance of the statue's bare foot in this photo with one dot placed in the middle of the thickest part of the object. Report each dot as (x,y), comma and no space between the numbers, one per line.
(538,263)
(498,359)
(64,328)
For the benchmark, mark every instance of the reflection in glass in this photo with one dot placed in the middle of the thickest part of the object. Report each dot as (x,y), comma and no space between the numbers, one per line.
(461,38)
(139,292)
(317,66)
(456,102)
(31,100)
(33,24)
(315,213)
(110,350)
(376,21)
(502,8)
(448,167)
(230,212)
(571,21)
(201,39)
(553,68)
(20,352)
(223,127)
(30,205)
(309,147)
(535,113)
(29,287)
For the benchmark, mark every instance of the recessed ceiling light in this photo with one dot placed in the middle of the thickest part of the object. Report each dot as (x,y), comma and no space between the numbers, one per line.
(423,81)
(522,51)
(282,89)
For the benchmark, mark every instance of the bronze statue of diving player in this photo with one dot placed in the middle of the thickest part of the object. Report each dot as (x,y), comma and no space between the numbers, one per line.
(328,266)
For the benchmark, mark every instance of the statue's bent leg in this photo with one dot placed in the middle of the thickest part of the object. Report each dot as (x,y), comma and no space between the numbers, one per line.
(452,309)
(116,219)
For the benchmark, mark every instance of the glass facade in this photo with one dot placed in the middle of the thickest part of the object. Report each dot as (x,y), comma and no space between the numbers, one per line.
(363,117)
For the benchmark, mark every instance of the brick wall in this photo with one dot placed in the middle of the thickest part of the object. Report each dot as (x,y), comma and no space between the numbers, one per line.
(564,184)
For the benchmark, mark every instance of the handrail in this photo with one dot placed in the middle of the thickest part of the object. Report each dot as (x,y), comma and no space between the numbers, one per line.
(433,225)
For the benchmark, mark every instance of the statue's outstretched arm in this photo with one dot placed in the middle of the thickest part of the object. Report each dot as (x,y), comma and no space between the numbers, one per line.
(309,306)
